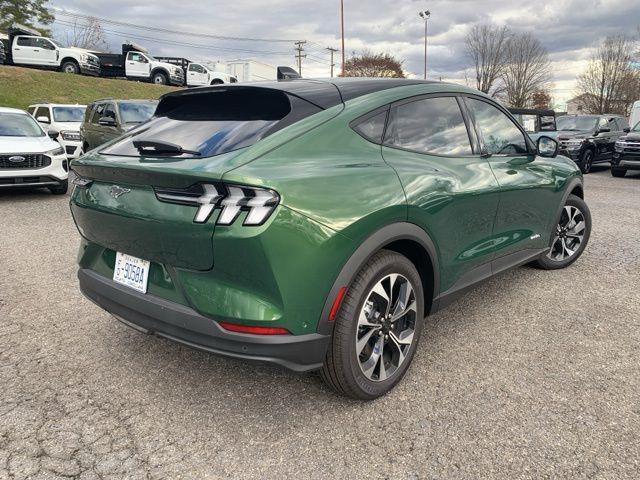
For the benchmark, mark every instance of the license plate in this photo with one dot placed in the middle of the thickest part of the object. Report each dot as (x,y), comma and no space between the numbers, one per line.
(131,271)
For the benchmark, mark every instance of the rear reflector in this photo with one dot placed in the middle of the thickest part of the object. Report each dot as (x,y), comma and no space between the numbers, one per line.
(336,303)
(234,327)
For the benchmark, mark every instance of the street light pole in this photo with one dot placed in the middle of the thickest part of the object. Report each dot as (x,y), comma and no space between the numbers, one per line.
(342,32)
(425,16)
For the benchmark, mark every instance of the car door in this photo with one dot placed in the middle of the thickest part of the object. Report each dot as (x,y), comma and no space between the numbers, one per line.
(137,65)
(46,51)
(23,50)
(603,139)
(109,132)
(450,189)
(196,75)
(92,134)
(528,195)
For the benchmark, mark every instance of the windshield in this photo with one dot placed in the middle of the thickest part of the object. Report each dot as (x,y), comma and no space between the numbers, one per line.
(19,125)
(636,128)
(68,114)
(576,123)
(137,112)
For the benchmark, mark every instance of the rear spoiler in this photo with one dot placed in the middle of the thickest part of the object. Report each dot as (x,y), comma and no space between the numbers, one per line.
(287,73)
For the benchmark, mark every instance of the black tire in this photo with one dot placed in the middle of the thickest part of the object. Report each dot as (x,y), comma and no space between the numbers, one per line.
(61,188)
(70,67)
(586,161)
(618,172)
(159,78)
(342,369)
(545,261)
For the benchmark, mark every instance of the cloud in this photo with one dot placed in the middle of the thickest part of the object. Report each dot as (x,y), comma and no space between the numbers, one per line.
(567,28)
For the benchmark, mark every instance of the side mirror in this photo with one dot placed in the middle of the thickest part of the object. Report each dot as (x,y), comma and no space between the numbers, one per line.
(107,122)
(53,134)
(626,129)
(547,147)
(43,119)
(603,130)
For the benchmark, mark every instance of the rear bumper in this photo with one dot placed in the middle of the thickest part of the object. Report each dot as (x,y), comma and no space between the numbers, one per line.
(154,315)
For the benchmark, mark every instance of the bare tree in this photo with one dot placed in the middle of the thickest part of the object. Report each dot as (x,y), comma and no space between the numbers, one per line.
(527,69)
(370,64)
(610,84)
(485,47)
(86,34)
(541,99)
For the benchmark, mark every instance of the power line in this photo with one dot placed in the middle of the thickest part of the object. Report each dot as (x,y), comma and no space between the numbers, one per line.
(127,35)
(63,12)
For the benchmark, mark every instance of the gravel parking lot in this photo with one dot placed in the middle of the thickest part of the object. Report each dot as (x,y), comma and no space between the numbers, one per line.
(533,375)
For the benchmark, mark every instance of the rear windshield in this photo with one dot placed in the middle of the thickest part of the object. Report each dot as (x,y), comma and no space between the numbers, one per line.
(137,112)
(68,114)
(19,125)
(215,122)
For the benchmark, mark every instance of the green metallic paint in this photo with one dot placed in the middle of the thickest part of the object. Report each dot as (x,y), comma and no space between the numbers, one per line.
(337,189)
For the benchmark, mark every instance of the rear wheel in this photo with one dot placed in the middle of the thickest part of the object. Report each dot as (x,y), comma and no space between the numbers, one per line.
(570,235)
(61,188)
(70,67)
(159,78)
(618,172)
(586,161)
(377,328)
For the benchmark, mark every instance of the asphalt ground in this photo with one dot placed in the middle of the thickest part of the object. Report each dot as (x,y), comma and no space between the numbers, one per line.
(534,374)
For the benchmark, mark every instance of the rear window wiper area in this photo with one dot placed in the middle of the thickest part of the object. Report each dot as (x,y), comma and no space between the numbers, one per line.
(159,147)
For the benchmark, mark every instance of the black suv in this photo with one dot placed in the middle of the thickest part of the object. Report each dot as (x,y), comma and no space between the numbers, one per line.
(589,139)
(626,155)
(107,119)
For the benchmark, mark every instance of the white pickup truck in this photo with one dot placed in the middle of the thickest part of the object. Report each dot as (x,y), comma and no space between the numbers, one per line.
(199,74)
(26,47)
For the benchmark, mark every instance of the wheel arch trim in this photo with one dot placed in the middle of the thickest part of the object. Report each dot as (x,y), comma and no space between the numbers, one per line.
(374,243)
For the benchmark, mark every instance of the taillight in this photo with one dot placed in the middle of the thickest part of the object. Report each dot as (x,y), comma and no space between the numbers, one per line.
(259,203)
(252,329)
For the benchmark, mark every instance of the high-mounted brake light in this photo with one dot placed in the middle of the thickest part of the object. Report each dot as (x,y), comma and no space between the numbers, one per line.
(230,199)
(255,330)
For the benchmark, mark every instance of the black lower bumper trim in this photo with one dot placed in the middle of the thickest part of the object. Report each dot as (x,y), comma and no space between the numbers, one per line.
(161,317)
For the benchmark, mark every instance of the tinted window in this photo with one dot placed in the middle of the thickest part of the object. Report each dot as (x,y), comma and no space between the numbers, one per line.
(431,125)
(25,42)
(211,123)
(43,43)
(68,114)
(137,112)
(19,125)
(500,135)
(622,123)
(43,112)
(110,111)
(194,67)
(373,127)
(98,113)
(577,123)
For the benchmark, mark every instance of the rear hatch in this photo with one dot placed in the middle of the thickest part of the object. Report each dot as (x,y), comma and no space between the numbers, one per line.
(195,138)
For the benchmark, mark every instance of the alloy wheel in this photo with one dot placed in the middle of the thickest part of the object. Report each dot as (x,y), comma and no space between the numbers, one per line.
(386,324)
(569,234)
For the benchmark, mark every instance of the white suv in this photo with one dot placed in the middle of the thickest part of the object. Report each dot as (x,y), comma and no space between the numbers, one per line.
(28,157)
(64,119)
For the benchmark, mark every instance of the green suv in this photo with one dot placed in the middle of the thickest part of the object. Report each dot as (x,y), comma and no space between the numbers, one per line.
(314,224)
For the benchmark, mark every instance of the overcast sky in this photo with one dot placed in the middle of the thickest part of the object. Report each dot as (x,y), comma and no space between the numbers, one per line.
(568,28)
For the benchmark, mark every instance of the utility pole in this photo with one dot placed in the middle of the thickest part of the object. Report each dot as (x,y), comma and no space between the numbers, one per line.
(332,50)
(342,31)
(425,16)
(299,48)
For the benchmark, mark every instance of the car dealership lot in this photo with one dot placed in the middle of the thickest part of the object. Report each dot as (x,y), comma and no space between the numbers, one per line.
(532,374)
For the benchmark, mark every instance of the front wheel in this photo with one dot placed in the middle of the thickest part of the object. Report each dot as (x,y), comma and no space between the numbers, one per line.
(159,78)
(70,67)
(618,172)
(570,236)
(61,188)
(377,328)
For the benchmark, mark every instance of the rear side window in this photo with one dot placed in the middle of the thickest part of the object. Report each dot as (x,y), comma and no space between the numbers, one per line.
(372,127)
(26,42)
(430,125)
(214,122)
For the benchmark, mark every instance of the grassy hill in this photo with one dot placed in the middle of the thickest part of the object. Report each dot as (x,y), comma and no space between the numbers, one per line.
(21,87)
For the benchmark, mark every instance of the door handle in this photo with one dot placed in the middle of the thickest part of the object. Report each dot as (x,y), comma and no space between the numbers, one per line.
(36,50)
(16,48)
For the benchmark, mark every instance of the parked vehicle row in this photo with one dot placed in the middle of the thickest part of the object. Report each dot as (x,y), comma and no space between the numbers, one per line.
(626,154)
(62,123)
